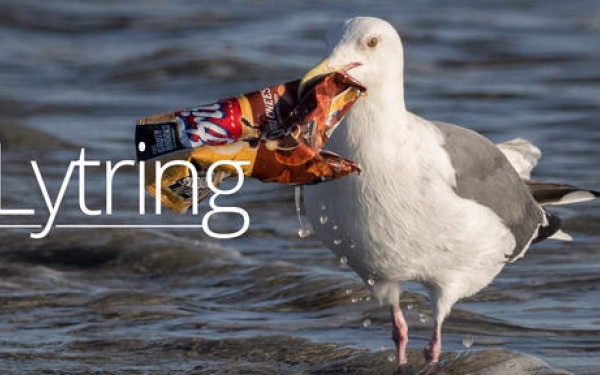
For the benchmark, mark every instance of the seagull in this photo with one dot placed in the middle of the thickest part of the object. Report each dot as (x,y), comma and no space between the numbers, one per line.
(435,203)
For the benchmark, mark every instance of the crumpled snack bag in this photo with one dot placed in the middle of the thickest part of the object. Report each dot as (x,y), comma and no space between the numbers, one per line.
(280,135)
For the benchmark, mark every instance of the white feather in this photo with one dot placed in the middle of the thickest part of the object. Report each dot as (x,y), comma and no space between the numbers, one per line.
(561,236)
(574,197)
(522,154)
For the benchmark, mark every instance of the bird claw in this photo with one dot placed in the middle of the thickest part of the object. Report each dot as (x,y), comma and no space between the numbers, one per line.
(431,353)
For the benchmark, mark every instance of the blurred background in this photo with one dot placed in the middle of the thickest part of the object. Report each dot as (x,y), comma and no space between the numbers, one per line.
(79,73)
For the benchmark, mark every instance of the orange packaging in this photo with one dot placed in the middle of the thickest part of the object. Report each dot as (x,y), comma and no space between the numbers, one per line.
(280,135)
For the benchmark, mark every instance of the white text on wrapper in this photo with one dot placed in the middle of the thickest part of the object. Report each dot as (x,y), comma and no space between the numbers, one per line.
(53,205)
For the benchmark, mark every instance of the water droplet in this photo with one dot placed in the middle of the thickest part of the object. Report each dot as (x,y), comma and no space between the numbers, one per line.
(335,227)
(304,232)
(422,318)
(366,322)
(370,281)
(336,242)
(468,341)
(409,306)
(323,207)
(343,260)
(323,219)
(352,246)
(348,291)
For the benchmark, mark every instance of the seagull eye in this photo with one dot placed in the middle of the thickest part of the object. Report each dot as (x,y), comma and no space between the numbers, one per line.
(372,42)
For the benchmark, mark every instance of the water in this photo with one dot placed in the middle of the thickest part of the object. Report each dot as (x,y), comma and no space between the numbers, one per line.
(78,73)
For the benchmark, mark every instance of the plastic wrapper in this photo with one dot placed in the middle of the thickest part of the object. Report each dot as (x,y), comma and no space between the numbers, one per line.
(280,135)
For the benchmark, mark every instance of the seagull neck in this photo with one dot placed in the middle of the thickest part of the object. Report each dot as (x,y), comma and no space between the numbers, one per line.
(387,102)
(388,98)
(374,119)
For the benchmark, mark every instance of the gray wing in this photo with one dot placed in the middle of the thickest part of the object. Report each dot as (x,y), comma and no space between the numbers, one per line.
(484,174)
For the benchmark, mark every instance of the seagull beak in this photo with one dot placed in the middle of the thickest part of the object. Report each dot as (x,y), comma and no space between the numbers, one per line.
(314,75)
(320,70)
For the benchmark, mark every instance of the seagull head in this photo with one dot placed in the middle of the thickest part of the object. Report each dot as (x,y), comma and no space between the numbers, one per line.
(367,49)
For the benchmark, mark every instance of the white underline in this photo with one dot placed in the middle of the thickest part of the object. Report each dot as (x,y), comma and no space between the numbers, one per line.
(128,226)
(100,226)
(20,225)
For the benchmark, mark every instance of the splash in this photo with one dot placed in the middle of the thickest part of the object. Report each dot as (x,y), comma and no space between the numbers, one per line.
(304,230)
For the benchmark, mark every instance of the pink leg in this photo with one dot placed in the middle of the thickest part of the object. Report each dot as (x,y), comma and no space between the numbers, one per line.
(434,348)
(399,334)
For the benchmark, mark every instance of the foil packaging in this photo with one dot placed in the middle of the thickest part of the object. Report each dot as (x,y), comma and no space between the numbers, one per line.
(281,135)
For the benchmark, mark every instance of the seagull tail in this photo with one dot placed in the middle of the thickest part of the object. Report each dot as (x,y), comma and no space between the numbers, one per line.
(522,155)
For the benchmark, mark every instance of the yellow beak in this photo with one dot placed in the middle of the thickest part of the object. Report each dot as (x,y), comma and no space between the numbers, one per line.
(314,75)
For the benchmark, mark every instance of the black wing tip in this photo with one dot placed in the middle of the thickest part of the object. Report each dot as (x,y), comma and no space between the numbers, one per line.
(554,225)
(595,193)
